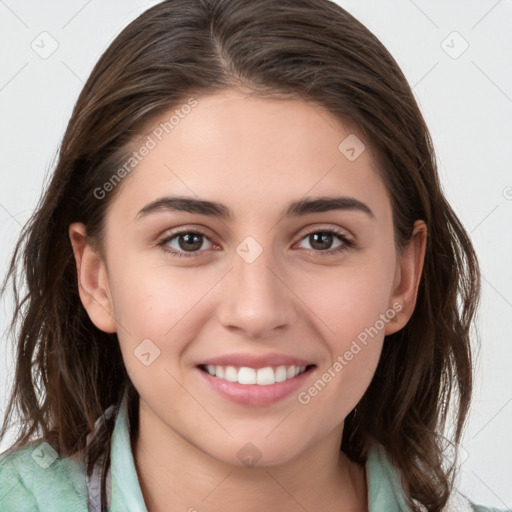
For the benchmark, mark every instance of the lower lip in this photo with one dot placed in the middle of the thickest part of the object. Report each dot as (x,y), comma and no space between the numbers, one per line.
(255,394)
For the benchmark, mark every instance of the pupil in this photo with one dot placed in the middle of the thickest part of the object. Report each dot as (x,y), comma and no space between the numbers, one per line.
(189,241)
(324,238)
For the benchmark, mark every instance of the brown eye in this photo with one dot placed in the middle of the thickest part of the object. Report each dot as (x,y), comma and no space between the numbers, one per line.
(183,242)
(322,241)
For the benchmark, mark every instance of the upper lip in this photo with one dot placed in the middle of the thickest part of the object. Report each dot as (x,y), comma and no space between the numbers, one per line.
(255,361)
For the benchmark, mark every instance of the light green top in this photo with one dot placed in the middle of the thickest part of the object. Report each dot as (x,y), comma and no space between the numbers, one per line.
(34,479)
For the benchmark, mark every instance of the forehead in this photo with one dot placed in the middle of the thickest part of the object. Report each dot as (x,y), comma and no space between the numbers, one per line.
(238,149)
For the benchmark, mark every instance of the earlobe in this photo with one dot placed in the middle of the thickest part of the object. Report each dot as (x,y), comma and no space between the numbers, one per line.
(92,280)
(407,277)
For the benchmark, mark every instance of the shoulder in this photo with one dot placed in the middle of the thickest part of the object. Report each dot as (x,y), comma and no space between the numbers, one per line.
(34,478)
(481,508)
(460,503)
(385,490)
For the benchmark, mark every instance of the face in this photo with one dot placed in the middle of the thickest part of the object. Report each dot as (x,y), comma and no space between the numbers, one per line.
(211,310)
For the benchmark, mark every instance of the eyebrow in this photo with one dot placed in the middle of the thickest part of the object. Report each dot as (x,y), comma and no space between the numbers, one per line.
(219,210)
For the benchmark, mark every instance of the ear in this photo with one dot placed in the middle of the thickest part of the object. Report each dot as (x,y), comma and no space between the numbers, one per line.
(407,278)
(92,280)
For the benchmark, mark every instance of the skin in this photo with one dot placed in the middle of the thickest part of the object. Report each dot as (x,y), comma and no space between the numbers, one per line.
(255,156)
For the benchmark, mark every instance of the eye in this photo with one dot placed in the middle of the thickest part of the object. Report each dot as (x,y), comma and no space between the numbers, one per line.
(187,243)
(320,240)
(182,242)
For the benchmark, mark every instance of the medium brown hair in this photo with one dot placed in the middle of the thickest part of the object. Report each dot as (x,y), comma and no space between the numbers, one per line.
(311,50)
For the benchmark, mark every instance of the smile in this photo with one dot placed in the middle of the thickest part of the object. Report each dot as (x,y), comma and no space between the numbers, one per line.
(245,375)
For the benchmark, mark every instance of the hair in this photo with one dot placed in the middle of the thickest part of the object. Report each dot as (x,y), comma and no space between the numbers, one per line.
(310,50)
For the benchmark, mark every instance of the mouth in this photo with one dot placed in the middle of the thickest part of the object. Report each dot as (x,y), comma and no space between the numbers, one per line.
(246,375)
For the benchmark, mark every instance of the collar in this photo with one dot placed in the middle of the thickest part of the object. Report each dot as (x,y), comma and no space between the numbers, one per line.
(126,493)
(385,492)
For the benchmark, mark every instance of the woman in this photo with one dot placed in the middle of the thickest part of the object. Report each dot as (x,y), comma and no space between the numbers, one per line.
(193,353)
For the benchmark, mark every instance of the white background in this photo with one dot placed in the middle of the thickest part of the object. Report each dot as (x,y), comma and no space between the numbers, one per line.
(467,103)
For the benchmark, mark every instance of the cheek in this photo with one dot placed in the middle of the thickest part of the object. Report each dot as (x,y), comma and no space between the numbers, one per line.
(158,309)
(355,314)
(153,322)
(339,387)
(152,300)
(349,299)
(353,307)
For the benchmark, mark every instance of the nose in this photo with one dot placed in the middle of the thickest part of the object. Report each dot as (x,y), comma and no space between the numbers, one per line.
(256,298)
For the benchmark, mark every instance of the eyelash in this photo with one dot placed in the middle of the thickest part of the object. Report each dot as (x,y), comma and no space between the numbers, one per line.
(347,244)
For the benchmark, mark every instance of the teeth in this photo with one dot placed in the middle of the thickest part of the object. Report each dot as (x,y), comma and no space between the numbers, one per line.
(262,376)
(281,374)
(247,375)
(219,372)
(231,374)
(265,376)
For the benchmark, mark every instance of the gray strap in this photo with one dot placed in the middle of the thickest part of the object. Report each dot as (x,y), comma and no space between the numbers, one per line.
(94,481)
(94,489)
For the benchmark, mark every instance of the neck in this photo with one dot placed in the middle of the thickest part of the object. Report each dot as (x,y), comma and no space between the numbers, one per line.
(171,470)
